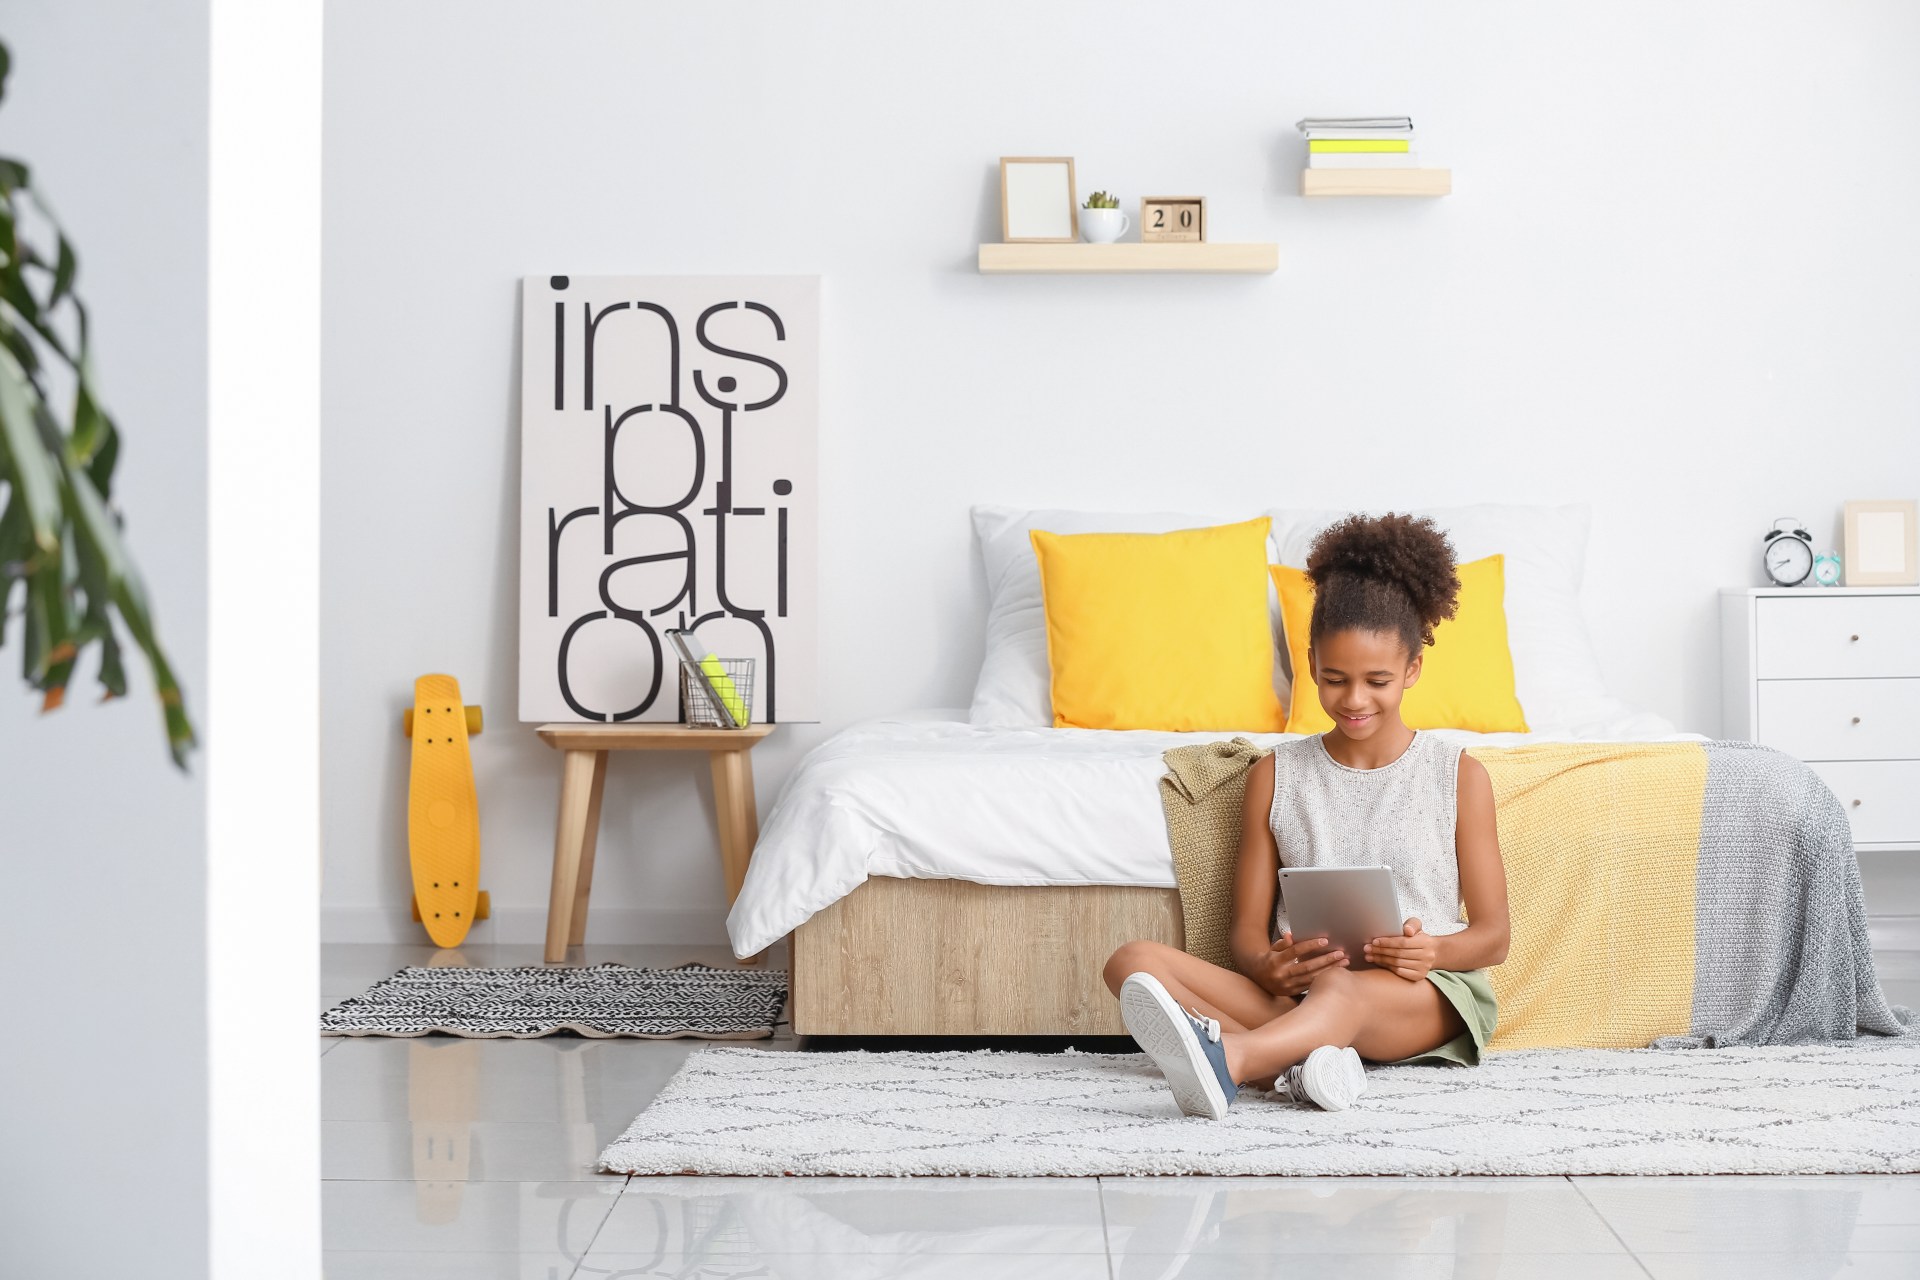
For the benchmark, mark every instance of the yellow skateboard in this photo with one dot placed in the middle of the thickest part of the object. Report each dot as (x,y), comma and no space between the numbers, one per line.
(443,816)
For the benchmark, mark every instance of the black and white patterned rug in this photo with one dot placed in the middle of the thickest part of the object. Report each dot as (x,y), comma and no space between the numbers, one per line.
(602,1000)
(1843,1108)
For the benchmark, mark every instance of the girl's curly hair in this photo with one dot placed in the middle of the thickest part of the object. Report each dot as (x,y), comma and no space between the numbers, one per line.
(1392,574)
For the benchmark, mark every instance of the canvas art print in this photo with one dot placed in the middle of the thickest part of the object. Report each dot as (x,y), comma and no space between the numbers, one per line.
(668,458)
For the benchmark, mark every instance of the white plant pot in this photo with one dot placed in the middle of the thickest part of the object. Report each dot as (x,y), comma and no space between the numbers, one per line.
(1103,226)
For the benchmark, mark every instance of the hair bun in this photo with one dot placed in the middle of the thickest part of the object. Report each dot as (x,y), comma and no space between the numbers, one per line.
(1409,552)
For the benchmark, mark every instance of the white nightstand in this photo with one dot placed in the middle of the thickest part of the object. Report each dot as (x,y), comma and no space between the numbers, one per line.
(1832,675)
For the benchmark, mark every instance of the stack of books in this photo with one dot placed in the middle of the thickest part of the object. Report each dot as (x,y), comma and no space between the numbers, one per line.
(1360,142)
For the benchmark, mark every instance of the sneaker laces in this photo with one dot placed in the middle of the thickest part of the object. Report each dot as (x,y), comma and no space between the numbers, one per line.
(1297,1085)
(1211,1026)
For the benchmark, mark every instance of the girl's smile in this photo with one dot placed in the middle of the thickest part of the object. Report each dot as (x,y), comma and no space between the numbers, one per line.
(1361,676)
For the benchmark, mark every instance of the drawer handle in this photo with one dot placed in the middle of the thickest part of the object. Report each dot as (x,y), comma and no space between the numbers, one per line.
(1853,637)
(1856,804)
(1856,719)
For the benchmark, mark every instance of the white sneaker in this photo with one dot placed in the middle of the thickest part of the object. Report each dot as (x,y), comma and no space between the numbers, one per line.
(1184,1046)
(1331,1078)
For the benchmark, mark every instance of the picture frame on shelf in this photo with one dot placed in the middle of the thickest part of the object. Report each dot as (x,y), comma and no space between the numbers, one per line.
(1882,546)
(1037,201)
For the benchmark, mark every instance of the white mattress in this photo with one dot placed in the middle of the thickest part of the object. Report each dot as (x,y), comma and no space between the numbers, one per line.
(928,795)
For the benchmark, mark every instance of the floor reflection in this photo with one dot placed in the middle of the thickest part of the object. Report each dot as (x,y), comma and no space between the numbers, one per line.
(1253,1220)
(878,1227)
(443,1099)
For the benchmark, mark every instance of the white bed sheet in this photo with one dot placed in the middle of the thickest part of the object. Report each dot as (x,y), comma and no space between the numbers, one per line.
(928,795)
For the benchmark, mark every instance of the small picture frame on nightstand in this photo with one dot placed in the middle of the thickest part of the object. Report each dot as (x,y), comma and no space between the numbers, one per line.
(1883,544)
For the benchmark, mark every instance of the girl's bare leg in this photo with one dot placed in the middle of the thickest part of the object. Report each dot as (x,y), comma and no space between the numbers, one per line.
(1382,1015)
(1237,1001)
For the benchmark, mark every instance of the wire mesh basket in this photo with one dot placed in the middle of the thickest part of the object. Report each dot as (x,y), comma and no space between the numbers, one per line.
(731,678)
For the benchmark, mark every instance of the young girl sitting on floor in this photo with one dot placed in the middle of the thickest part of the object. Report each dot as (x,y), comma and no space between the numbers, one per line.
(1371,792)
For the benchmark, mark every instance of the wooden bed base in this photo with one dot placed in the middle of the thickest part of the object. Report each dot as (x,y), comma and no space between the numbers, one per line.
(901,957)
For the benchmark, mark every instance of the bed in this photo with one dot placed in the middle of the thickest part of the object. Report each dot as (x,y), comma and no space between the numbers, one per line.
(969,871)
(943,878)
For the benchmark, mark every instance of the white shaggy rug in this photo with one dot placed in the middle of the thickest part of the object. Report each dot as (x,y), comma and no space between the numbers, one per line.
(1847,1108)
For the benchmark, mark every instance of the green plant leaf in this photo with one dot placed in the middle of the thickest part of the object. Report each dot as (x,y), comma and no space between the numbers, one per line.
(91,428)
(49,625)
(59,536)
(95,529)
(63,273)
(15,294)
(24,457)
(113,673)
(22,348)
(16,548)
(95,624)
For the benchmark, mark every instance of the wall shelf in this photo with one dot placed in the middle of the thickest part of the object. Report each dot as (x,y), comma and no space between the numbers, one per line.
(1071,259)
(1376,182)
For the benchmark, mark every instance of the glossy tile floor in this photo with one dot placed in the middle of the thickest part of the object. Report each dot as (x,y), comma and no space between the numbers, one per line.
(473,1159)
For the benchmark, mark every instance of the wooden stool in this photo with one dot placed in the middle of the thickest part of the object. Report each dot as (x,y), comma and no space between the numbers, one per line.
(583,776)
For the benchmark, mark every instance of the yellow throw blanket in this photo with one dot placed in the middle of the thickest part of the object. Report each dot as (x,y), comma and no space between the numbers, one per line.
(1601,843)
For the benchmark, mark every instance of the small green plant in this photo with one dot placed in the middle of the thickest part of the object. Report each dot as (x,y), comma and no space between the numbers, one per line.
(1101,200)
(60,535)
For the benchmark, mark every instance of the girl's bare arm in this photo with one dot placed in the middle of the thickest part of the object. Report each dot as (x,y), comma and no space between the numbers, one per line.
(1256,876)
(1286,966)
(1483,877)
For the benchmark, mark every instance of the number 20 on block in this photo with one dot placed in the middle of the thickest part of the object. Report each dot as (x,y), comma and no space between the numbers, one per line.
(1173,219)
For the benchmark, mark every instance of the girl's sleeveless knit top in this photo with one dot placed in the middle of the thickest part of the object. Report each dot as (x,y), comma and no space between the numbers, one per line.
(1400,816)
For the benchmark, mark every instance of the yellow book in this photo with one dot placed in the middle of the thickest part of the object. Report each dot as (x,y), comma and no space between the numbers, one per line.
(725,689)
(1357,144)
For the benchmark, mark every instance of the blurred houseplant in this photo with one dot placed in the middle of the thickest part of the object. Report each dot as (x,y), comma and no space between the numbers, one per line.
(59,535)
(1101,221)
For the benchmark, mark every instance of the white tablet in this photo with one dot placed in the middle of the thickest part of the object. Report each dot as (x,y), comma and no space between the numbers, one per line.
(1349,906)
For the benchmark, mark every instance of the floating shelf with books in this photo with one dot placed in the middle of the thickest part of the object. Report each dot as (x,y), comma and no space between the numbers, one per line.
(1205,258)
(1376,182)
(1366,156)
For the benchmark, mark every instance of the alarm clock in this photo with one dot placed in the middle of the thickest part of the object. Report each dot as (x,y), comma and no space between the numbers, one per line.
(1826,569)
(1788,553)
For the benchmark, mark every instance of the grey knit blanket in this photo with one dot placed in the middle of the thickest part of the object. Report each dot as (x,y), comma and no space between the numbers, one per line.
(1781,953)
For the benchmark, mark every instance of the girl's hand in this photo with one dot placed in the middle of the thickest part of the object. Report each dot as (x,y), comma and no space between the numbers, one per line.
(1290,967)
(1410,955)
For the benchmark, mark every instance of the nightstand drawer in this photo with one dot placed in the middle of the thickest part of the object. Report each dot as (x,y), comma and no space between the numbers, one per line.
(1825,637)
(1841,719)
(1881,797)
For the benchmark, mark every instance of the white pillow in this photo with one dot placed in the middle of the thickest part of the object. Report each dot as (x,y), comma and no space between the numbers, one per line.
(1556,674)
(1015,689)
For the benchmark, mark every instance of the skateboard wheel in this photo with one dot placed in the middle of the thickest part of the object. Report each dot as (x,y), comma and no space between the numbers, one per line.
(406,722)
(483,909)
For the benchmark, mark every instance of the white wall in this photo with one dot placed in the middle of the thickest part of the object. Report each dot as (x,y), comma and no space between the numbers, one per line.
(103,1076)
(1676,281)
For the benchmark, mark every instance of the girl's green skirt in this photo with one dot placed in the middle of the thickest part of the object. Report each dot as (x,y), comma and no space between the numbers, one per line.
(1472,995)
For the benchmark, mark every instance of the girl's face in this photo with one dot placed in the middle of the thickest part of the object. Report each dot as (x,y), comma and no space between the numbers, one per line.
(1361,677)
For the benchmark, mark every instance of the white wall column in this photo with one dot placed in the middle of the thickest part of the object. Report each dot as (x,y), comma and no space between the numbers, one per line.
(263,722)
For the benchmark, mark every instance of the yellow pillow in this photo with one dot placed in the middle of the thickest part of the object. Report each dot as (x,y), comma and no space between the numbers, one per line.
(1466,678)
(1160,630)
